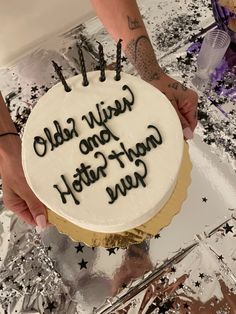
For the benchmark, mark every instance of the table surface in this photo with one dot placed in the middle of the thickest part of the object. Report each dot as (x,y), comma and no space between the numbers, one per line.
(189,266)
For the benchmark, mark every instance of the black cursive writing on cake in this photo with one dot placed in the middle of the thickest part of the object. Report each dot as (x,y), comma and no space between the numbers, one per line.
(103,115)
(88,144)
(140,150)
(56,139)
(128,182)
(84,176)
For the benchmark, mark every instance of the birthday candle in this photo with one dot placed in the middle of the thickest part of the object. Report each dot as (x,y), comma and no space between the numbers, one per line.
(83,68)
(118,60)
(101,62)
(61,77)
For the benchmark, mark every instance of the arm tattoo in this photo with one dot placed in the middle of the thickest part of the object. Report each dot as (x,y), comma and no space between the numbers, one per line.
(133,23)
(177,85)
(141,55)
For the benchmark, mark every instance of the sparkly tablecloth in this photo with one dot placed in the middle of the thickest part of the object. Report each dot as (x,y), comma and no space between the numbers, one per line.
(190,266)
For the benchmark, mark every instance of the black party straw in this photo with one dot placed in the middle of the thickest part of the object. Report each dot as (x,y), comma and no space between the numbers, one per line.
(83,68)
(118,60)
(61,77)
(102,62)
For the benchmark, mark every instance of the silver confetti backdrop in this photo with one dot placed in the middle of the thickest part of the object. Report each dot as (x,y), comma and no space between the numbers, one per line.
(190,266)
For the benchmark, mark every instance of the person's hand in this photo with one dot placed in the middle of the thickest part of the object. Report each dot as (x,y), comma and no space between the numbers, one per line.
(17,195)
(184,101)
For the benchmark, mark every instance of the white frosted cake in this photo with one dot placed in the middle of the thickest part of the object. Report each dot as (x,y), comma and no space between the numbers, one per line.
(105,157)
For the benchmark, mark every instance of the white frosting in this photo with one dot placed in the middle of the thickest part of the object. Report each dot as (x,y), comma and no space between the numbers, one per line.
(94,212)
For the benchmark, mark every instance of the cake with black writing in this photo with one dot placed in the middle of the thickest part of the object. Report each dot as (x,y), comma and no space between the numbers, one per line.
(105,156)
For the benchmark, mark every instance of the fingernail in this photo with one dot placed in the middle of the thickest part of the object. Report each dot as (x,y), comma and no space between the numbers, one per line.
(188,134)
(41,221)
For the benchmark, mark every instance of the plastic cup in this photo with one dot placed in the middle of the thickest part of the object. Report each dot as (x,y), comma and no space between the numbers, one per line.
(213,49)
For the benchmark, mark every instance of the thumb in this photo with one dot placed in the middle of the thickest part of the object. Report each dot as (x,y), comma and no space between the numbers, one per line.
(36,208)
(188,134)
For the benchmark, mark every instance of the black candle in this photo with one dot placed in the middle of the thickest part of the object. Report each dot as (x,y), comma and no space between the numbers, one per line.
(61,77)
(82,65)
(118,60)
(101,62)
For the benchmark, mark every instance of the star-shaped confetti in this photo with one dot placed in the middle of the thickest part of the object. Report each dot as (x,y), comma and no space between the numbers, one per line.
(8,278)
(18,116)
(228,228)
(186,306)
(51,306)
(204,199)
(197,284)
(111,251)
(157,236)
(123,59)
(210,128)
(164,308)
(164,280)
(220,257)
(83,264)
(34,89)
(33,97)
(173,269)
(79,248)
(179,59)
(201,275)
(28,287)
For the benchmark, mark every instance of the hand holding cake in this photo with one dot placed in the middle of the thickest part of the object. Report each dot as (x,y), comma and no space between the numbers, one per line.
(128,25)
(17,194)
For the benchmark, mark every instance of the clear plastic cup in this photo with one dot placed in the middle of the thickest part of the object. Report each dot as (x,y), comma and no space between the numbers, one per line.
(213,49)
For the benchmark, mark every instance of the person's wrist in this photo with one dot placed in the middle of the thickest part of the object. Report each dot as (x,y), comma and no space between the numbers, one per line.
(151,73)
(10,146)
(161,81)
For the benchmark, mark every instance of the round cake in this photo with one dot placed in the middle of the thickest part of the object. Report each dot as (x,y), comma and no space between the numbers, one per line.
(105,156)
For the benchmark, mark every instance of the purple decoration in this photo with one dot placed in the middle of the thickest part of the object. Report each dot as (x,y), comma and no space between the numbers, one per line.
(223,79)
(222,16)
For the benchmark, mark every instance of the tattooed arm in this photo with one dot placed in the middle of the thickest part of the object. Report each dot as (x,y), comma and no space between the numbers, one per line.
(122,19)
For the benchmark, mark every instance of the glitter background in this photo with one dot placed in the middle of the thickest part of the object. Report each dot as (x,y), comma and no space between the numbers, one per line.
(190,266)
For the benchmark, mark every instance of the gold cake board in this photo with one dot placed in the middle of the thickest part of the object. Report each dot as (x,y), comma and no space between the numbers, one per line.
(140,233)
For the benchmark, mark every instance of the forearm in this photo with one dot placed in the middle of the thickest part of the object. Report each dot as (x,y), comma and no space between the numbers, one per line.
(6,123)
(8,143)
(122,19)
